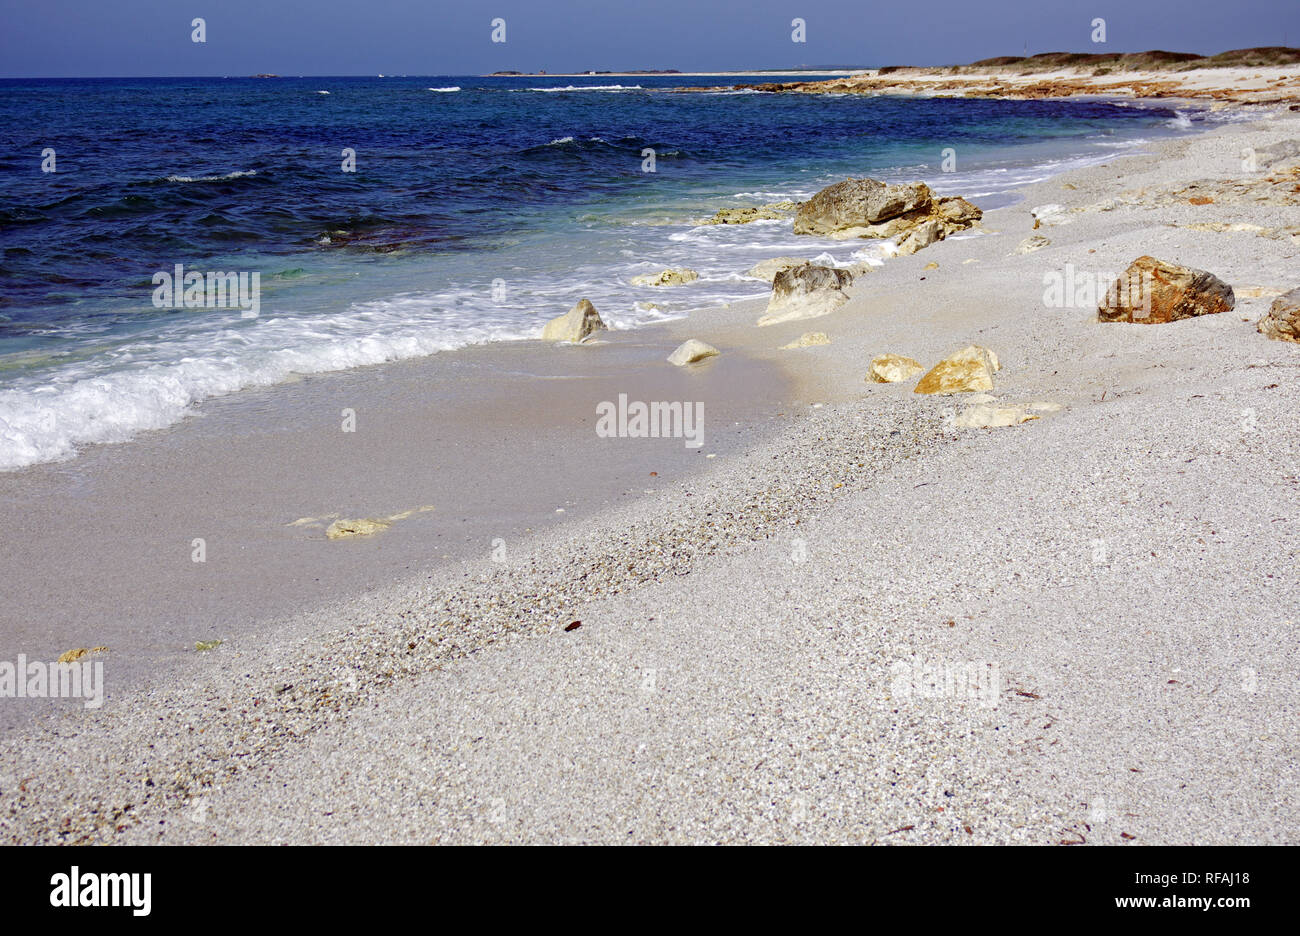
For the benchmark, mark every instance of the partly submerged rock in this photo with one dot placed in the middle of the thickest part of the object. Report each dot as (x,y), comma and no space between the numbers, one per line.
(767,269)
(892,368)
(774,211)
(859,203)
(868,208)
(1282,321)
(1152,292)
(804,292)
(807,340)
(689,352)
(665,278)
(578,324)
(970,370)
(342,529)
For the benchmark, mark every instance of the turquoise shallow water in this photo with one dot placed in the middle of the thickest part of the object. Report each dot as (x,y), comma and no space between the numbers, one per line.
(478,208)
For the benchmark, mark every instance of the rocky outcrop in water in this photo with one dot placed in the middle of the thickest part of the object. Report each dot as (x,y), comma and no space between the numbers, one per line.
(666,278)
(909,212)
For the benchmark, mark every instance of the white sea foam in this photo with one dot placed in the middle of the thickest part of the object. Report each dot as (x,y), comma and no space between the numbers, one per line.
(212,178)
(445,90)
(614,87)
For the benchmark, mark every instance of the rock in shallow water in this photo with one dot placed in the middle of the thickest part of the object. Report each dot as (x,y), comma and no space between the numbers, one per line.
(692,351)
(1282,321)
(869,208)
(578,324)
(1153,292)
(767,269)
(665,278)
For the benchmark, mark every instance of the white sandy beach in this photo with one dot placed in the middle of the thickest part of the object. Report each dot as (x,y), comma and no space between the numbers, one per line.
(1121,574)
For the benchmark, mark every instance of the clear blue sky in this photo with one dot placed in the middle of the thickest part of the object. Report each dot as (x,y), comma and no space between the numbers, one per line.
(49,38)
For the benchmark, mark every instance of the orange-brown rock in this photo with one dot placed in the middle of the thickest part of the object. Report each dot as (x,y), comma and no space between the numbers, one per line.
(1282,321)
(1153,292)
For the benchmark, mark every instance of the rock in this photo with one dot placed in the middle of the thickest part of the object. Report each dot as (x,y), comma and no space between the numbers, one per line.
(921,236)
(72,656)
(774,211)
(1152,292)
(1049,215)
(342,529)
(892,368)
(807,340)
(856,203)
(1032,243)
(578,324)
(203,645)
(767,269)
(958,212)
(931,266)
(1282,320)
(970,370)
(689,352)
(986,416)
(868,208)
(1278,152)
(665,278)
(804,292)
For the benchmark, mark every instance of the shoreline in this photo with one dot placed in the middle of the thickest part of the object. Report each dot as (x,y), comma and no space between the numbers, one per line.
(1222,86)
(386,663)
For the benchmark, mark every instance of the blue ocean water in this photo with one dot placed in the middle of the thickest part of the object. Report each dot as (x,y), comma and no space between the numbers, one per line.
(479,207)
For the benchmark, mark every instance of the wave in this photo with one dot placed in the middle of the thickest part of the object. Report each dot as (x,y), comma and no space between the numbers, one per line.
(444,90)
(613,87)
(242,173)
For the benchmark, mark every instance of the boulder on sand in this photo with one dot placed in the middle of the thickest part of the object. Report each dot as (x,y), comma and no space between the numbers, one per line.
(804,292)
(691,351)
(970,370)
(578,324)
(1153,292)
(807,340)
(1282,321)
(892,368)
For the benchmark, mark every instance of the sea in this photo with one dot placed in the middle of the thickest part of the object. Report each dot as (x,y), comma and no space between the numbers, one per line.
(397,217)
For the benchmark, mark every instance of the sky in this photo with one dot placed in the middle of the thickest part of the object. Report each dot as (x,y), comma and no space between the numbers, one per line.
(136,38)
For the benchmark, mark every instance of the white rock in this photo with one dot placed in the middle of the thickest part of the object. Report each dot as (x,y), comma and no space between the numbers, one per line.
(578,324)
(692,351)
